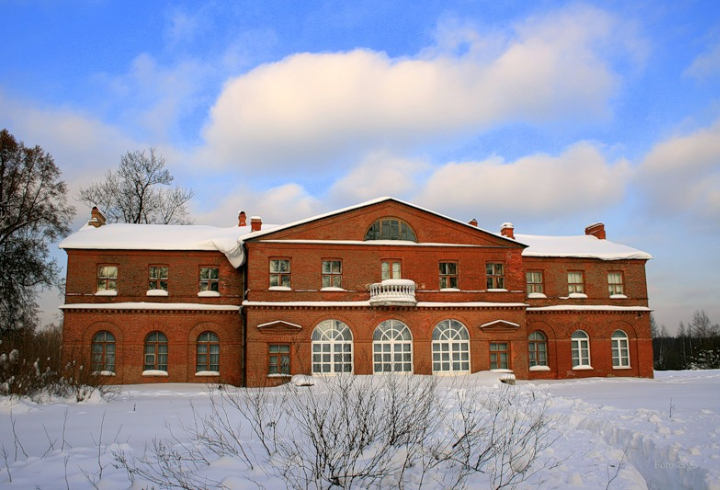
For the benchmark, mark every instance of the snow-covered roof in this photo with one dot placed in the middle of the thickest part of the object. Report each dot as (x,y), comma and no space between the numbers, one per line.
(123,236)
(580,246)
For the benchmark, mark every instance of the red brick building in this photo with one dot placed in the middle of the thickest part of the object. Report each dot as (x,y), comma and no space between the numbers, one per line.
(384,286)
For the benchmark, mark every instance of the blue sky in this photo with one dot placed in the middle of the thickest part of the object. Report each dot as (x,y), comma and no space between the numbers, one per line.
(552,115)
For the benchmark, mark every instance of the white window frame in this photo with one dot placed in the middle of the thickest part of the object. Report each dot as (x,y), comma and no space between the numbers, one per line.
(620,350)
(537,337)
(392,348)
(580,342)
(450,348)
(330,339)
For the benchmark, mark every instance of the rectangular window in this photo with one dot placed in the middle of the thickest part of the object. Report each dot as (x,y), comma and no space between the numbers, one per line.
(331,273)
(499,355)
(209,279)
(495,275)
(158,277)
(279,359)
(576,282)
(448,275)
(615,283)
(107,278)
(391,269)
(280,273)
(534,282)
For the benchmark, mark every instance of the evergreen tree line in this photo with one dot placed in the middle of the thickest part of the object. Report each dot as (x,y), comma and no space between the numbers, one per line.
(695,346)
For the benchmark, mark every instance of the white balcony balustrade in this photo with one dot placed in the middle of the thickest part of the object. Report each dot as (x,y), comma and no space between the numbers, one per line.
(393,292)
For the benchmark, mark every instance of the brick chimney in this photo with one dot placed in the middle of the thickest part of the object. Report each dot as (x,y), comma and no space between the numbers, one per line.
(242,219)
(508,230)
(97,219)
(597,230)
(473,222)
(255,223)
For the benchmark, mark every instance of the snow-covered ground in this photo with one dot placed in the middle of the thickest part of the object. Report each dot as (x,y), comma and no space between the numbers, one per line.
(617,433)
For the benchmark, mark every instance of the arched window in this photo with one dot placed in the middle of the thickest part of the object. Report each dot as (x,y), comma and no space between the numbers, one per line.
(208,352)
(390,229)
(580,349)
(332,348)
(392,348)
(451,348)
(620,350)
(156,352)
(537,349)
(103,352)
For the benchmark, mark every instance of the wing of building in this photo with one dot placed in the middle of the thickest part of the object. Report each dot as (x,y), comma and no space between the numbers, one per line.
(383,286)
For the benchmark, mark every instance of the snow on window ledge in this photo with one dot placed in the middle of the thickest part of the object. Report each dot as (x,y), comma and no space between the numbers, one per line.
(106,292)
(536,296)
(497,290)
(583,367)
(207,373)
(156,292)
(103,373)
(450,290)
(279,288)
(502,370)
(539,368)
(577,296)
(622,367)
(332,289)
(618,296)
(208,294)
(154,372)
(279,375)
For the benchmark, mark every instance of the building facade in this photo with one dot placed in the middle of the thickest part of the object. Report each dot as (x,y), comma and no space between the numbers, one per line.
(381,287)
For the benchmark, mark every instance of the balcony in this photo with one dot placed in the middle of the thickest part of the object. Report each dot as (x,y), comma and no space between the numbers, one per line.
(393,292)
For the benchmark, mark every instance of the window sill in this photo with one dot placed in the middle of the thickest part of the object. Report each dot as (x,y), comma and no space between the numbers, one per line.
(500,290)
(156,292)
(279,288)
(103,373)
(154,373)
(332,289)
(279,375)
(582,368)
(536,296)
(207,373)
(106,293)
(539,368)
(449,290)
(208,294)
(618,296)
(620,368)
(502,370)
(577,296)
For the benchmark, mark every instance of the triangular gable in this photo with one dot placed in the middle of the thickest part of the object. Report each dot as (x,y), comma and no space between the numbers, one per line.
(498,325)
(321,227)
(279,326)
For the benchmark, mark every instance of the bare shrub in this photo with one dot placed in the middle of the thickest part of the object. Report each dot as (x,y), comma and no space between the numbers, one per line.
(31,366)
(361,432)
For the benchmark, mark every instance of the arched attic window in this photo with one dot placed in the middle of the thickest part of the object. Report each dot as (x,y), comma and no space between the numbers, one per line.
(390,229)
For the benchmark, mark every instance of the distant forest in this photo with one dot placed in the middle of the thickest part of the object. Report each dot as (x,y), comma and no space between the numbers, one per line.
(696,345)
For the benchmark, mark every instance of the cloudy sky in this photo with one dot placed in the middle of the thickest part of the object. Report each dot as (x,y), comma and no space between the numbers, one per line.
(552,115)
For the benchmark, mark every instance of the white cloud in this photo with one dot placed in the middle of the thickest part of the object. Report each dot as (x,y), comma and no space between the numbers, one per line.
(706,64)
(312,108)
(379,174)
(278,205)
(682,174)
(578,180)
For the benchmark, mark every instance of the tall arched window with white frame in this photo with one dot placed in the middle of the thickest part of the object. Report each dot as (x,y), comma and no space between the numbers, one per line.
(332,348)
(392,348)
(451,348)
(620,350)
(580,350)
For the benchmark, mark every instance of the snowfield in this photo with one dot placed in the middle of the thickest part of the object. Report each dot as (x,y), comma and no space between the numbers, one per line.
(620,433)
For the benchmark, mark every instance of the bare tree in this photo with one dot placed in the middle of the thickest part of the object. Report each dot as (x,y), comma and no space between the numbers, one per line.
(132,193)
(33,213)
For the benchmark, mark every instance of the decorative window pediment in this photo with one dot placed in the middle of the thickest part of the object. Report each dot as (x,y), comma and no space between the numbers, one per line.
(499,325)
(279,326)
